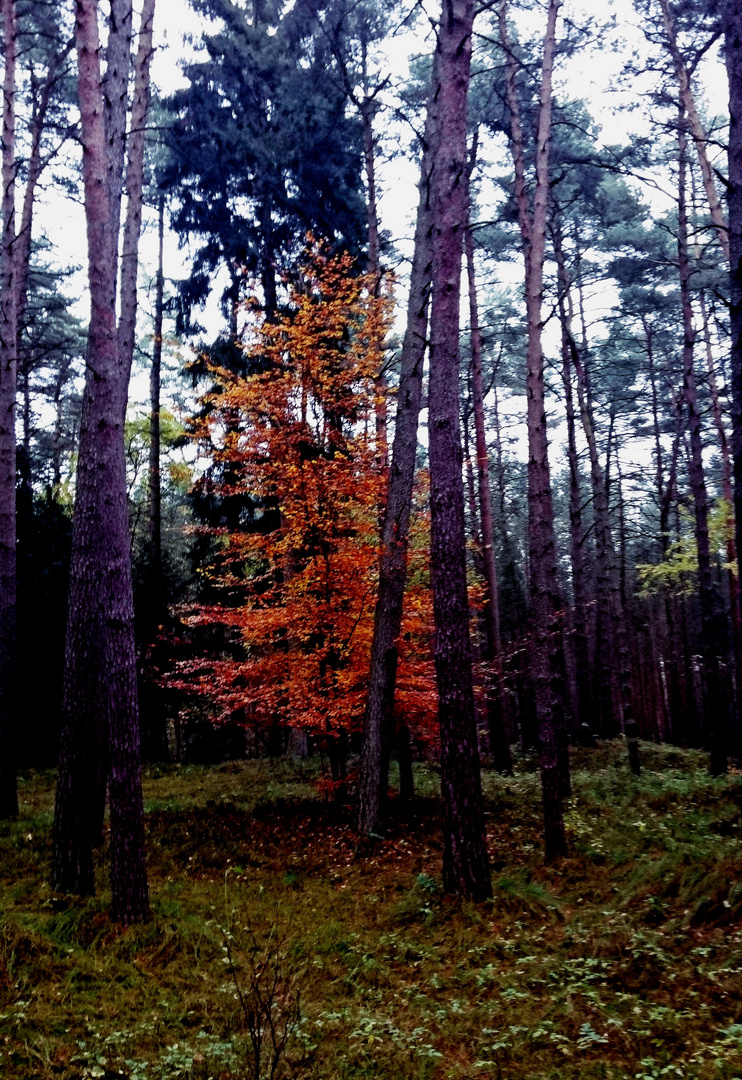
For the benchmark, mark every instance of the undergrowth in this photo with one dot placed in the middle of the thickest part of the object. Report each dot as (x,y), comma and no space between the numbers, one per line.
(623,961)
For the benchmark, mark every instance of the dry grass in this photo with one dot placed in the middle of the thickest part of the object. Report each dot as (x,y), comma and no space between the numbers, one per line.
(623,961)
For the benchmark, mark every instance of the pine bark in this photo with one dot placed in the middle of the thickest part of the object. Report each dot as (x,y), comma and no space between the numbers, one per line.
(8,377)
(465,860)
(378,727)
(547,659)
(100,670)
(576,529)
(733,56)
(155,487)
(698,135)
(134,188)
(713,703)
(499,747)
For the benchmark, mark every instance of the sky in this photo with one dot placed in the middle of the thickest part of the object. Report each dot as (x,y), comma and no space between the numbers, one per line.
(593,74)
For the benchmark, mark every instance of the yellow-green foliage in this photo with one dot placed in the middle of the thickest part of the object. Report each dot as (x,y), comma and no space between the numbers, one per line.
(678,572)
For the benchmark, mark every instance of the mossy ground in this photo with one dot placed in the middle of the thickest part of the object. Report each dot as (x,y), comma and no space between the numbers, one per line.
(624,960)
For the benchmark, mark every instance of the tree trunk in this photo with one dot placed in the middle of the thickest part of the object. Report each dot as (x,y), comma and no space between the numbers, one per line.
(115,108)
(8,375)
(700,139)
(465,861)
(155,492)
(499,747)
(378,724)
(547,658)
(576,530)
(713,706)
(134,186)
(733,56)
(100,668)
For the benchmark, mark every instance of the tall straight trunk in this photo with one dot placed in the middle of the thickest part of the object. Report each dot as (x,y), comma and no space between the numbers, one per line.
(378,726)
(713,706)
(465,862)
(100,669)
(547,659)
(576,530)
(155,489)
(623,645)
(115,109)
(8,364)
(732,20)
(499,747)
(700,139)
(604,660)
(134,187)
(367,109)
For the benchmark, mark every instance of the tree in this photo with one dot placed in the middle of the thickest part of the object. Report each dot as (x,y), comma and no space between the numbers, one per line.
(8,364)
(465,860)
(298,580)
(100,697)
(377,725)
(261,151)
(547,659)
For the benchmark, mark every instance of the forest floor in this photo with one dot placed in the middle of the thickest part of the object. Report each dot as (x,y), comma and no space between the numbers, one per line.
(622,961)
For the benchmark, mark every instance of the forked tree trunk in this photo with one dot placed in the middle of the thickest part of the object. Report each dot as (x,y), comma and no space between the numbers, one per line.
(547,660)
(499,747)
(465,861)
(8,364)
(100,669)
(378,727)
(713,705)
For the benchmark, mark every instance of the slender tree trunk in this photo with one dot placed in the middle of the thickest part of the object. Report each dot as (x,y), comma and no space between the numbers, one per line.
(155,492)
(134,187)
(547,658)
(378,727)
(115,109)
(367,110)
(699,136)
(498,741)
(465,860)
(713,704)
(576,530)
(732,20)
(8,366)
(100,668)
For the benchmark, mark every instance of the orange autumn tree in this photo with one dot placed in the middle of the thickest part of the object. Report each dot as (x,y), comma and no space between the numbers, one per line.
(298,439)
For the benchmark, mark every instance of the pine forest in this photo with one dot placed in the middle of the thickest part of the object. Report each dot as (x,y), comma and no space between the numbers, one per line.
(370,502)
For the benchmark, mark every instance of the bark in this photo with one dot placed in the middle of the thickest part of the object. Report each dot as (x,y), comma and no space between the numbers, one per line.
(8,375)
(547,658)
(134,186)
(100,669)
(713,706)
(696,129)
(115,87)
(378,724)
(576,530)
(465,860)
(733,56)
(155,491)
(366,109)
(499,747)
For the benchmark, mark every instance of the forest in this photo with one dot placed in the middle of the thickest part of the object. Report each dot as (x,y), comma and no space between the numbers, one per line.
(370,500)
